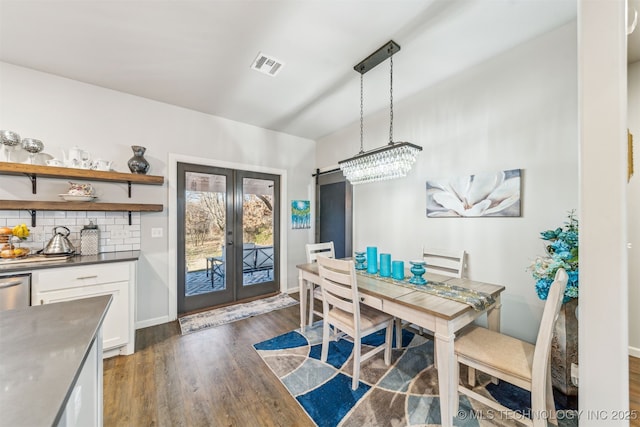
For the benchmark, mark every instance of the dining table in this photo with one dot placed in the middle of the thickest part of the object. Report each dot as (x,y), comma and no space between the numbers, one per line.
(440,314)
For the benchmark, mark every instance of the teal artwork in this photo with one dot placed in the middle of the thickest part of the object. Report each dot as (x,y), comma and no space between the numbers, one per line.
(300,214)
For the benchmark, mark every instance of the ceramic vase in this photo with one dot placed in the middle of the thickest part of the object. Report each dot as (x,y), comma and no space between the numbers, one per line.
(564,352)
(138,164)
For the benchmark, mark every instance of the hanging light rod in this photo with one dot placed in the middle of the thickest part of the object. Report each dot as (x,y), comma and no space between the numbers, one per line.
(388,162)
(377,57)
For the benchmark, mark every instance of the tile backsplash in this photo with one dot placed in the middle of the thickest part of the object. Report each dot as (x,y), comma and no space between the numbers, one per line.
(115,232)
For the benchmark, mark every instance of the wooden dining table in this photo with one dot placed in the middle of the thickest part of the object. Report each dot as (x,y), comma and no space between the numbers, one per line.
(442,316)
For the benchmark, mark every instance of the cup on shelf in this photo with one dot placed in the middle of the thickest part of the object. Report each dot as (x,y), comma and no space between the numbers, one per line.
(55,162)
(102,165)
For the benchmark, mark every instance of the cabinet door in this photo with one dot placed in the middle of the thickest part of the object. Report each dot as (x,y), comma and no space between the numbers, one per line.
(115,330)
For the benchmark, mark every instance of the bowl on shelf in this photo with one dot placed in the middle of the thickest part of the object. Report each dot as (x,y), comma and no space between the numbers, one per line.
(78,197)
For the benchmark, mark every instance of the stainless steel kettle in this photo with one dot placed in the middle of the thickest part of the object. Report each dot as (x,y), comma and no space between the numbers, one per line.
(59,244)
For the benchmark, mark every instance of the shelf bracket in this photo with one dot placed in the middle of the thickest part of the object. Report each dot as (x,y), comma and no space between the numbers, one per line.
(129,217)
(129,188)
(32,212)
(34,182)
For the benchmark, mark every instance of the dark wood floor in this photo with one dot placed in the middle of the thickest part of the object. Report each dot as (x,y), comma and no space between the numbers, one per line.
(212,377)
(215,378)
(634,390)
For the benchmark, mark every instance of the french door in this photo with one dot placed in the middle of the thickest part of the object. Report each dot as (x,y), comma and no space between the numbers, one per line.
(228,235)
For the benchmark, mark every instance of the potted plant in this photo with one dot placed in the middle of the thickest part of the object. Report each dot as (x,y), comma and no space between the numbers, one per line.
(561,247)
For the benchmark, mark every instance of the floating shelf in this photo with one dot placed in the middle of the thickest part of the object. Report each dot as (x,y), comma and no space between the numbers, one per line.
(38,205)
(35,171)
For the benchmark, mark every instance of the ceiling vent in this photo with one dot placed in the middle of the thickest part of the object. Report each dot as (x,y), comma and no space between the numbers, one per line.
(267,64)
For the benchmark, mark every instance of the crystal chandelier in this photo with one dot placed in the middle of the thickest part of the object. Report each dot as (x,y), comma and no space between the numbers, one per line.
(391,161)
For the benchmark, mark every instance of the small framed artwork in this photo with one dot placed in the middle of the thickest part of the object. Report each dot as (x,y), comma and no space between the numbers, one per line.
(495,194)
(300,214)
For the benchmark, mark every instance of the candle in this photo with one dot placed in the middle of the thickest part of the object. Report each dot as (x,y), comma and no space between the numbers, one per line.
(397,270)
(372,259)
(385,265)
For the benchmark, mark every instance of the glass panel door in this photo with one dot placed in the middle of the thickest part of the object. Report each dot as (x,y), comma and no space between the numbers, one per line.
(259,230)
(227,235)
(204,213)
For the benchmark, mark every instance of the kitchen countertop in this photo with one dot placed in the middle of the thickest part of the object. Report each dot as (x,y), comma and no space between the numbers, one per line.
(42,350)
(78,260)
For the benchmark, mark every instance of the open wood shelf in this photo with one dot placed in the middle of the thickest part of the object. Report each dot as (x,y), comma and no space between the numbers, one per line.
(41,205)
(7,168)
(35,171)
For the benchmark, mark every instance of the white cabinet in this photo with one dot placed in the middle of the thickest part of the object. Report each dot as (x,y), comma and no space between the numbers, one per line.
(84,407)
(117,279)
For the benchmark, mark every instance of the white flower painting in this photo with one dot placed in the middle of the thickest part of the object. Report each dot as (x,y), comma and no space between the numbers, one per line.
(483,194)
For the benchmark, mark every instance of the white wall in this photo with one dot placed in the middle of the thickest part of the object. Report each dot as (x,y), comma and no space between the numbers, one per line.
(516,111)
(633,200)
(603,310)
(63,113)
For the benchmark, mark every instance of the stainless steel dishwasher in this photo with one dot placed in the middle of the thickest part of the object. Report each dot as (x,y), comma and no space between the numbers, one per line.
(15,291)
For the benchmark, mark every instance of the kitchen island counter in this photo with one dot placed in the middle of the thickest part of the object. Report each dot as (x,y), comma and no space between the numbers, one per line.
(45,354)
(74,261)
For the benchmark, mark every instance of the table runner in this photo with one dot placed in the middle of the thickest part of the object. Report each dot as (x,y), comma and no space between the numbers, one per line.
(479,301)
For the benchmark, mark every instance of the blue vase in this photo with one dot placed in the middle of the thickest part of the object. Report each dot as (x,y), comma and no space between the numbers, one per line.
(417,269)
(360,259)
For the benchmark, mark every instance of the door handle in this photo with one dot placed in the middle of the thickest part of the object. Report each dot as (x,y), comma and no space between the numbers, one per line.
(9,283)
(230,243)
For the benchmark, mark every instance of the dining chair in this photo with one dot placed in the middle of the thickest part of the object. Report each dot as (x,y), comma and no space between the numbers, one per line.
(313,250)
(447,263)
(515,361)
(444,262)
(341,308)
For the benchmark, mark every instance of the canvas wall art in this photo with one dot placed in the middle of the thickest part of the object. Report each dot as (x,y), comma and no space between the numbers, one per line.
(483,194)
(300,214)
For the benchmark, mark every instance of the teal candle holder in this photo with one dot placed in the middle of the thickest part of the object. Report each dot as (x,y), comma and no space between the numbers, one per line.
(372,259)
(417,269)
(385,265)
(360,260)
(397,270)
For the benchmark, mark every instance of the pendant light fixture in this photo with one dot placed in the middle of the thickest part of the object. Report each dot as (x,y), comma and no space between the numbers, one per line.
(391,161)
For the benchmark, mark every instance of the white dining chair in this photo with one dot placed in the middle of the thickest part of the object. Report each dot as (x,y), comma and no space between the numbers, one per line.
(439,261)
(447,263)
(515,361)
(341,308)
(313,250)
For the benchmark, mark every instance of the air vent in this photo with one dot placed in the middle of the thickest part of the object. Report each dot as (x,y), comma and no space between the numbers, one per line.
(267,64)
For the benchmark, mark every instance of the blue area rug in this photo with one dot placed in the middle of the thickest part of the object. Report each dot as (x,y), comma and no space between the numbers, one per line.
(402,394)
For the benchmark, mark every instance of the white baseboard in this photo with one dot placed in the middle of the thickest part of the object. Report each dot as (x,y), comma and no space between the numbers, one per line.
(634,351)
(152,322)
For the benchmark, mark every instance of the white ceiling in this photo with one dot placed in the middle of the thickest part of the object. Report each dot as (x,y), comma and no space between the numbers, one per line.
(197,53)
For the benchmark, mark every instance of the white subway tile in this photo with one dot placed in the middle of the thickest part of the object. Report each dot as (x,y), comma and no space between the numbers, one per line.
(124,247)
